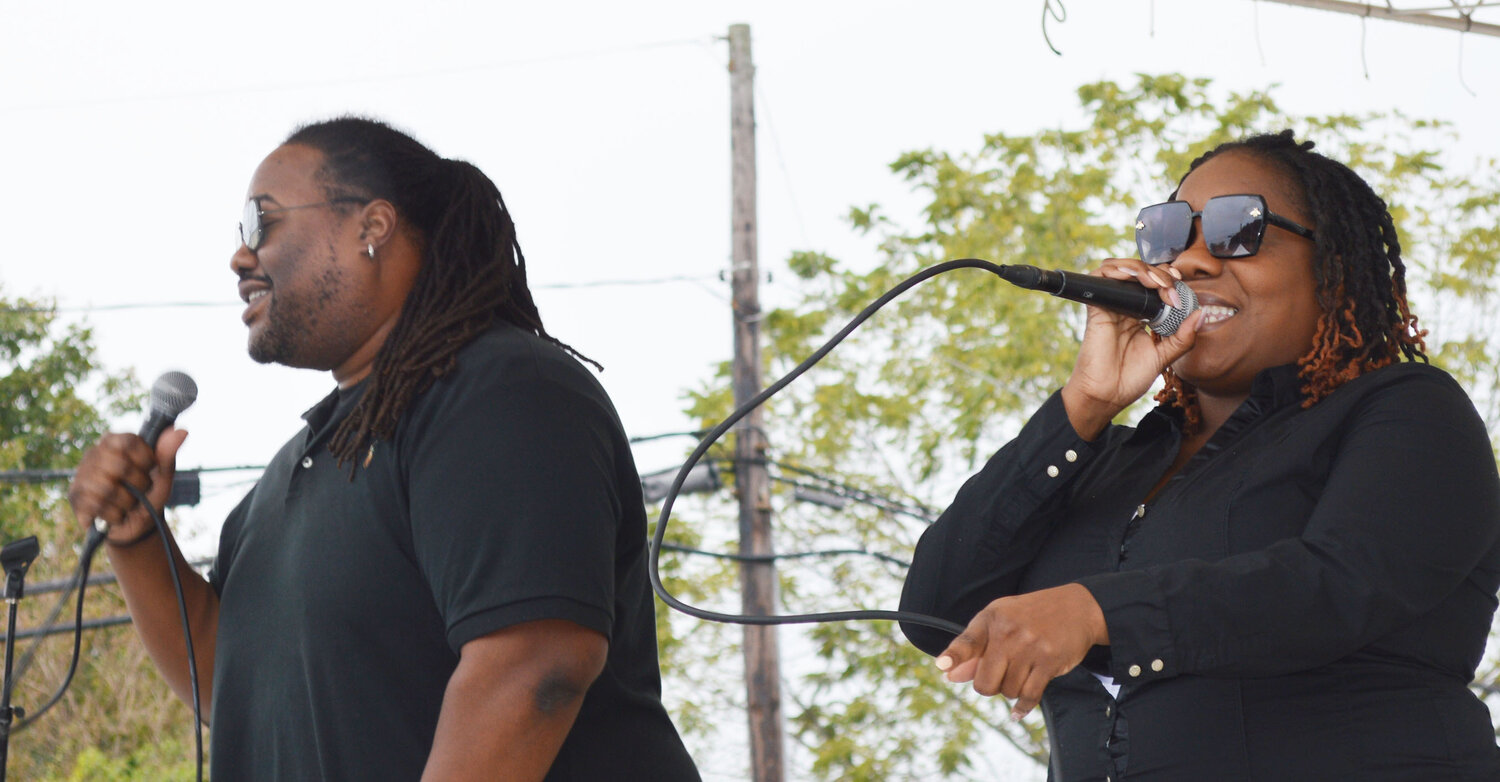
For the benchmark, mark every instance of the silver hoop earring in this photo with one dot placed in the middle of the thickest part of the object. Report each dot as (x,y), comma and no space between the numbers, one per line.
(370,250)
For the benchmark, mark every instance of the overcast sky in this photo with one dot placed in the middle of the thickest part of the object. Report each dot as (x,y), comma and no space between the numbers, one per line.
(132,129)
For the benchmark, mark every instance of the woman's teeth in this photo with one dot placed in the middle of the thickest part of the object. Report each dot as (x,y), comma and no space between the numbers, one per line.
(1213,313)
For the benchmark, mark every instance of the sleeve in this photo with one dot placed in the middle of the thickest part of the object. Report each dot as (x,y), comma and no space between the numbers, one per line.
(1411,505)
(514,504)
(229,535)
(979,548)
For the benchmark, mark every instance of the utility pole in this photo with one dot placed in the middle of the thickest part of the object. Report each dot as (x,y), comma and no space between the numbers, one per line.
(757,579)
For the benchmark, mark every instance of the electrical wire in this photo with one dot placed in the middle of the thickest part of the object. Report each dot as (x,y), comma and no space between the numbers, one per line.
(1060,13)
(645,438)
(657,538)
(856,494)
(304,83)
(791,191)
(169,305)
(834,552)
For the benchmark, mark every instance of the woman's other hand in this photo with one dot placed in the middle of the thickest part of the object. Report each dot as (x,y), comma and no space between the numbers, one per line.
(1016,645)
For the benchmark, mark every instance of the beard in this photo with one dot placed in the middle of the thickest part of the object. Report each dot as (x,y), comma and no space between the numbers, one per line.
(278,341)
(302,331)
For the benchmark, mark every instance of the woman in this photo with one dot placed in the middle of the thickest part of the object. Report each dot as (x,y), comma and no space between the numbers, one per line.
(1288,569)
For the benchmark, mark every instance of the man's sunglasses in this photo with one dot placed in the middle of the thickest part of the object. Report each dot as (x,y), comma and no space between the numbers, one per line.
(1233,226)
(253,231)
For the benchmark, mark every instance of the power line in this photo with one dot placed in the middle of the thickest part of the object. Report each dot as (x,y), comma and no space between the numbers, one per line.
(304,84)
(839,488)
(835,552)
(786,175)
(916,511)
(63,584)
(53,476)
(88,624)
(696,435)
(162,305)
(627,283)
(97,579)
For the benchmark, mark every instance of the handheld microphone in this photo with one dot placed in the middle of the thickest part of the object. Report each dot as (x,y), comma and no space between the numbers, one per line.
(171,394)
(1125,298)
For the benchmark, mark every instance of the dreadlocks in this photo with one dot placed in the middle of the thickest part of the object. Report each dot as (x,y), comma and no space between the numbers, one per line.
(472,269)
(1366,322)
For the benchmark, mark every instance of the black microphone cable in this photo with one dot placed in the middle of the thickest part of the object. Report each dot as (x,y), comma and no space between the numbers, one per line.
(90,547)
(81,574)
(653,564)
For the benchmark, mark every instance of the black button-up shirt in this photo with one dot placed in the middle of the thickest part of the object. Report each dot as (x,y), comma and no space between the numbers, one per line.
(1306,599)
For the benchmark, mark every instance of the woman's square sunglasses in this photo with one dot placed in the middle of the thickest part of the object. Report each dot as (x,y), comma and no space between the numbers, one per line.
(1233,226)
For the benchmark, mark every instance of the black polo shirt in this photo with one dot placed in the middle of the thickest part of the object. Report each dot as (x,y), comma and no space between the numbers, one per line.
(1306,599)
(507,494)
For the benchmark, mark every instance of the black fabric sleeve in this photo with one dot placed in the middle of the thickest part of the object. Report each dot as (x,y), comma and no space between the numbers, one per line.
(1411,505)
(513,500)
(228,539)
(978,549)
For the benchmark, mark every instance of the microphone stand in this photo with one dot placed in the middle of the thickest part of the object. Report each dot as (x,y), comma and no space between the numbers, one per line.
(16,558)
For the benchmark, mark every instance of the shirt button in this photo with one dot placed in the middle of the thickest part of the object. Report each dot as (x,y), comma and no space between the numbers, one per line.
(306,462)
(1157,665)
(1071,455)
(1108,710)
(1052,471)
(1135,670)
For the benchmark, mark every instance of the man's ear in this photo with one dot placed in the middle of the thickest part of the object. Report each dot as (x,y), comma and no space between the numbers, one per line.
(378,223)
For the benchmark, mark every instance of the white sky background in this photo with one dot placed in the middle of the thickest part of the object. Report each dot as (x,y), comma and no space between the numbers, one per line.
(131,131)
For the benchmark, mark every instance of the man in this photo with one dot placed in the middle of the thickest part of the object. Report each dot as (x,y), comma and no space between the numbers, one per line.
(442,576)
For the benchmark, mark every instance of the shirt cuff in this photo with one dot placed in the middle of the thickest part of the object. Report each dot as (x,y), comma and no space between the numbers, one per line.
(1140,629)
(1051,451)
(501,617)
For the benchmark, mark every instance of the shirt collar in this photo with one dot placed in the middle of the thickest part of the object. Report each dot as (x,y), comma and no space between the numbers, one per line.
(334,407)
(1272,389)
(1278,387)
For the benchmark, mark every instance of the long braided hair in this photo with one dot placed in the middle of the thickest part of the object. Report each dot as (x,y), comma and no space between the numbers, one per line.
(1366,322)
(472,271)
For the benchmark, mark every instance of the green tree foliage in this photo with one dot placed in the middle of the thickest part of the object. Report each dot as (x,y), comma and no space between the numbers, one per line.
(928,388)
(118,720)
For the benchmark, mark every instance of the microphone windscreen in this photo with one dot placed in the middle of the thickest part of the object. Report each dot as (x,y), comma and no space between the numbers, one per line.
(171,394)
(1170,318)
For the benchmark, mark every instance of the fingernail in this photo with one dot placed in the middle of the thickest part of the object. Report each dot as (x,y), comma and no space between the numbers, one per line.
(1172,270)
(1131,272)
(944,663)
(1161,279)
(1017,714)
(1176,300)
